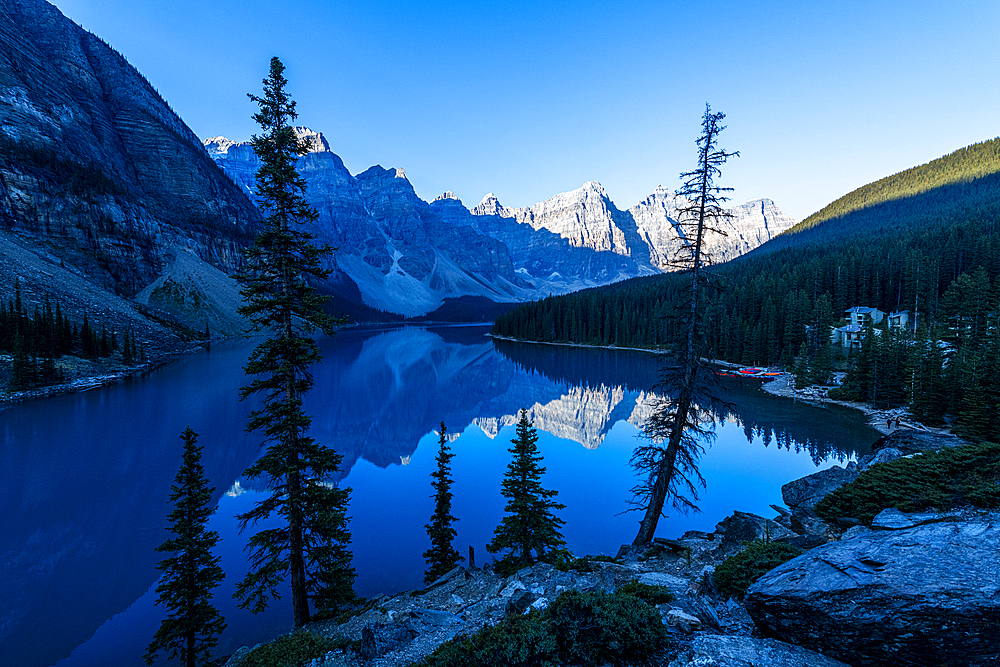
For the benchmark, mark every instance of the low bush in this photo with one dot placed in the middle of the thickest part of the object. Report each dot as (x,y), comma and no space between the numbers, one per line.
(576,629)
(647,593)
(521,641)
(292,650)
(595,628)
(735,574)
(948,478)
(564,562)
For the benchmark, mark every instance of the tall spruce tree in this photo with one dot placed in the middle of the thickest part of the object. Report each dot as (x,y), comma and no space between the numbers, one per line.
(666,462)
(441,557)
(193,625)
(311,548)
(530,531)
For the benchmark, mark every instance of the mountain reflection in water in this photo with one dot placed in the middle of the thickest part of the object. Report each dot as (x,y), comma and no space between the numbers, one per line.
(86,476)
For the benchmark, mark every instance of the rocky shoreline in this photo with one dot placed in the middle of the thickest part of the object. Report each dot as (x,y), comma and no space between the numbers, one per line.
(83,374)
(910,588)
(877,419)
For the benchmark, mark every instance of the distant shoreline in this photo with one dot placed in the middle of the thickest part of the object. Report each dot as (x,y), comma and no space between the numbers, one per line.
(776,386)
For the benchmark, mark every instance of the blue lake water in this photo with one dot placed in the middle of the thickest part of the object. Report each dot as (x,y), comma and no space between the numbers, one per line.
(86,476)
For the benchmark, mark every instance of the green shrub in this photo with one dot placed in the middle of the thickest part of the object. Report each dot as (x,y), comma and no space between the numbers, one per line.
(577,628)
(735,574)
(292,650)
(521,641)
(564,562)
(647,593)
(942,480)
(510,564)
(595,627)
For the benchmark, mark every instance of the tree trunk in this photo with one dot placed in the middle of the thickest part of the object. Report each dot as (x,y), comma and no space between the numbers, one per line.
(689,359)
(665,473)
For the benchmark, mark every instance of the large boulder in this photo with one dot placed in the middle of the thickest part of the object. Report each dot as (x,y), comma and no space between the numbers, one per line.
(740,527)
(906,442)
(809,490)
(926,594)
(727,651)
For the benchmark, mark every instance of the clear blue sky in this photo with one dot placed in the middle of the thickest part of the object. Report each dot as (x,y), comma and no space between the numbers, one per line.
(529,99)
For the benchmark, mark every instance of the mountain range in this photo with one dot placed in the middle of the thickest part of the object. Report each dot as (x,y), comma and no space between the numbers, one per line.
(110,203)
(406,255)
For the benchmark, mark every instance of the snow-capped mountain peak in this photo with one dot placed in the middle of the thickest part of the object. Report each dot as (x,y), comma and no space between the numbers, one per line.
(405,255)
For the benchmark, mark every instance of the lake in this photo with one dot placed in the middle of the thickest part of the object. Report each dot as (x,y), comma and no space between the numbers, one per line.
(86,476)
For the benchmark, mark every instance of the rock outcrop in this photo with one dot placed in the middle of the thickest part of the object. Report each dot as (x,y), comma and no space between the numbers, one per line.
(741,527)
(727,651)
(94,161)
(902,594)
(905,442)
(398,250)
(805,492)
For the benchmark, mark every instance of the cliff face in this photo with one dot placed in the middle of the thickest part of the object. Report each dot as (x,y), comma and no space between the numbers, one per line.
(96,163)
(401,252)
(580,238)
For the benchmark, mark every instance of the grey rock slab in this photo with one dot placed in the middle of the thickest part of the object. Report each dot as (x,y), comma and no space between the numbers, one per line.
(891,518)
(924,595)
(434,617)
(805,521)
(728,651)
(663,579)
(809,490)
(683,620)
(512,588)
(882,456)
(854,531)
(740,527)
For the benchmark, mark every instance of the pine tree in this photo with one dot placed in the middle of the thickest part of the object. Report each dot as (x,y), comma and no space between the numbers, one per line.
(821,370)
(23,368)
(128,351)
(311,547)
(193,625)
(530,531)
(88,340)
(441,557)
(678,420)
(801,369)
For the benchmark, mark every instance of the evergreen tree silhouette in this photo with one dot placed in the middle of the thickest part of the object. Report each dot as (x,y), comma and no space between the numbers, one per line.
(193,625)
(311,548)
(441,557)
(530,531)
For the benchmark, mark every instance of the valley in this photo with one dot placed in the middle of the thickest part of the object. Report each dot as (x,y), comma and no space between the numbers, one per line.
(135,253)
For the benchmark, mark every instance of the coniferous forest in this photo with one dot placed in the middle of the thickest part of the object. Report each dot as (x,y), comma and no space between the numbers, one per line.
(923,240)
(37,339)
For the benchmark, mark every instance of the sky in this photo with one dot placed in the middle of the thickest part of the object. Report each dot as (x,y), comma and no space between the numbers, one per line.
(530,99)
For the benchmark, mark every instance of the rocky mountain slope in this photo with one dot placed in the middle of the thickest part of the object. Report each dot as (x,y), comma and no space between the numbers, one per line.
(402,255)
(96,167)
(102,185)
(406,255)
(93,160)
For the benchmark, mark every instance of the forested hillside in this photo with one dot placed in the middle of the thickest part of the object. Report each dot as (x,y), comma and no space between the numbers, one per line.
(923,240)
(962,166)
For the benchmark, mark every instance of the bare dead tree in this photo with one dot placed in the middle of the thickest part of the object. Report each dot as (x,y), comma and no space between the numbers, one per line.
(667,462)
